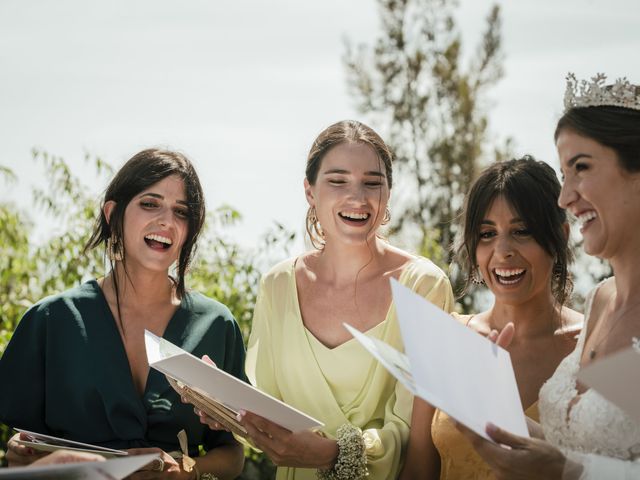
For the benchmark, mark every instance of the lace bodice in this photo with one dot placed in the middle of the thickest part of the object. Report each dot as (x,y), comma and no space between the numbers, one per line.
(593,425)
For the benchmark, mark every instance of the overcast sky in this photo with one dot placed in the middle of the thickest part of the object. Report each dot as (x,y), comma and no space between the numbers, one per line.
(244,86)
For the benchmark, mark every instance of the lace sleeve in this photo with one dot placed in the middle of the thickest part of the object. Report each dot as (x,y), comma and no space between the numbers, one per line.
(596,467)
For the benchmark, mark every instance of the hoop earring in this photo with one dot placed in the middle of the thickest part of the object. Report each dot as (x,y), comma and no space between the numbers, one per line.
(387,216)
(114,252)
(314,229)
(476,278)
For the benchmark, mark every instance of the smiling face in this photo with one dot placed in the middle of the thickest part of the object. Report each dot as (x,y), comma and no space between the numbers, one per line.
(155,224)
(603,196)
(514,266)
(350,193)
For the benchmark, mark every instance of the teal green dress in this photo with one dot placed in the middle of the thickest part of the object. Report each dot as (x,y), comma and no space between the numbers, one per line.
(65,373)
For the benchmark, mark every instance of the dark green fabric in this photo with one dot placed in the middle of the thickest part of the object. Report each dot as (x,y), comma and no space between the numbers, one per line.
(65,373)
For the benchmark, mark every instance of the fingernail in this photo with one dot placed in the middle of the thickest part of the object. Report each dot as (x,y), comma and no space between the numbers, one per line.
(491,428)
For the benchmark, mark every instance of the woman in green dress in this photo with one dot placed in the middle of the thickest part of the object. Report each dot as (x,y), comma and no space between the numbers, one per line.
(76,366)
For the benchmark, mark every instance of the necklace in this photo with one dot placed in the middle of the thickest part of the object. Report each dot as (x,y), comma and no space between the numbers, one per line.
(594,350)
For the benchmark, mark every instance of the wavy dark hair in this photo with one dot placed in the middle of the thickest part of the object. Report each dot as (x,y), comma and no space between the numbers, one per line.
(532,188)
(140,172)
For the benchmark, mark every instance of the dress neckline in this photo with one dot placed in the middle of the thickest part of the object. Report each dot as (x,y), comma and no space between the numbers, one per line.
(310,334)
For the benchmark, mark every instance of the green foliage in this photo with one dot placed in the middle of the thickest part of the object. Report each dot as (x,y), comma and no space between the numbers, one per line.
(222,270)
(413,86)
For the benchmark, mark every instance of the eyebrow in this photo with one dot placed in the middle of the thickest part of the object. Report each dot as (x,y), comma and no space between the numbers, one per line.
(341,171)
(491,222)
(160,197)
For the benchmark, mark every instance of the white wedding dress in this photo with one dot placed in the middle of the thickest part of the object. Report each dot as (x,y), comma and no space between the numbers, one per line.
(595,435)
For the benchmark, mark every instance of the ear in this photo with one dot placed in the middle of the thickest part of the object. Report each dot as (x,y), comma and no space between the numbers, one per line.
(108,209)
(308,191)
(567,230)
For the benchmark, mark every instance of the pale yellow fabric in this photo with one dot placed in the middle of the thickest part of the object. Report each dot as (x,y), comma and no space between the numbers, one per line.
(340,385)
(458,459)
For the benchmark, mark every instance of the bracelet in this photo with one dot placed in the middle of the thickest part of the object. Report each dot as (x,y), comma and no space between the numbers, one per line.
(352,459)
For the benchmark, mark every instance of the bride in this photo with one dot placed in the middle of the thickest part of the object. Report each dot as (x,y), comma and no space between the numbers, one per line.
(586,436)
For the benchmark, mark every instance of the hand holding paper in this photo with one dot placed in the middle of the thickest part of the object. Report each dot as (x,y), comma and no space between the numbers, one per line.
(216,392)
(451,366)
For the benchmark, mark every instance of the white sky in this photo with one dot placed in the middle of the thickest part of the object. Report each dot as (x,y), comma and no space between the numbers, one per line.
(244,86)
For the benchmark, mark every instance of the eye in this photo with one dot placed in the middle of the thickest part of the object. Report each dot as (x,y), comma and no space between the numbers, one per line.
(487,234)
(375,184)
(147,204)
(181,212)
(336,181)
(522,232)
(581,166)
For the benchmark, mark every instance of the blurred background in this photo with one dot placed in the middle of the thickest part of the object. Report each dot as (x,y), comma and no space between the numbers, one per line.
(243,87)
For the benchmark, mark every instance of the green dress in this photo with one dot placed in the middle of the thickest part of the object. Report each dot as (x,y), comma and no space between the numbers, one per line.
(65,372)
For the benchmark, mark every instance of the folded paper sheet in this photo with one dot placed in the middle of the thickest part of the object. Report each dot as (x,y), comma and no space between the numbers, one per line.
(451,366)
(218,386)
(112,469)
(617,378)
(48,443)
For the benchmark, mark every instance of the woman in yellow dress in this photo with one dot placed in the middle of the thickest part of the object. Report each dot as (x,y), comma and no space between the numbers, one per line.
(514,239)
(299,350)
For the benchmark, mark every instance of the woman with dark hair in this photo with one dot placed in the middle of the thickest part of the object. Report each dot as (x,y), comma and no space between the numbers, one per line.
(583,435)
(76,365)
(299,350)
(514,239)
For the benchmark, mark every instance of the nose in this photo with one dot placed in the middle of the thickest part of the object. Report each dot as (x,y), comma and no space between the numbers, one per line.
(568,194)
(358,194)
(165,217)
(504,247)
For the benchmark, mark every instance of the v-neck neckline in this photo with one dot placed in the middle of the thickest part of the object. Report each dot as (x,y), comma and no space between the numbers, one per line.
(122,350)
(309,333)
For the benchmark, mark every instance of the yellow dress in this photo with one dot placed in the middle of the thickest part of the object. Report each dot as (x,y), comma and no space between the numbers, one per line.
(458,459)
(340,385)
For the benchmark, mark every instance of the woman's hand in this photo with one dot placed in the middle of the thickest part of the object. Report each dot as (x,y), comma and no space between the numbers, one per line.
(304,449)
(21,455)
(167,467)
(504,337)
(68,456)
(526,459)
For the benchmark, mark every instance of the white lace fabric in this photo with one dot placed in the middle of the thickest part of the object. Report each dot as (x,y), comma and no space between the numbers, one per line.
(593,425)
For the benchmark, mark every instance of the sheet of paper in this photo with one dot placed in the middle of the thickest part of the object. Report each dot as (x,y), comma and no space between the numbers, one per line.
(48,443)
(396,362)
(452,367)
(457,370)
(219,385)
(612,377)
(114,468)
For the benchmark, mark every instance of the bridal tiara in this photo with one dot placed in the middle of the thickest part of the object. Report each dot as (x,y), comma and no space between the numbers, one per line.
(596,93)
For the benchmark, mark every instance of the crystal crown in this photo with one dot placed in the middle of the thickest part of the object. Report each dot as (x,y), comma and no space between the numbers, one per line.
(596,93)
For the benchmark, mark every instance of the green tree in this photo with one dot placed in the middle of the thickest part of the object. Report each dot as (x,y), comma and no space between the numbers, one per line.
(413,86)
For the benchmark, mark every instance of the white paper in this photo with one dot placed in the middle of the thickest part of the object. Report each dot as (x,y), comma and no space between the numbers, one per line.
(222,387)
(48,443)
(617,378)
(452,367)
(114,468)
(396,362)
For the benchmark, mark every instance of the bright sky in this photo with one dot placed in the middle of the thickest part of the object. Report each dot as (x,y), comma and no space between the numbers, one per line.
(244,86)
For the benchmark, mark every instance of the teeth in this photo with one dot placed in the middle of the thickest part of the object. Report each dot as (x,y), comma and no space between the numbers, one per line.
(355,216)
(586,216)
(159,238)
(508,272)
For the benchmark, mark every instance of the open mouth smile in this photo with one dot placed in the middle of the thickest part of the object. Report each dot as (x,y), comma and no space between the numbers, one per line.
(355,218)
(158,242)
(508,276)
